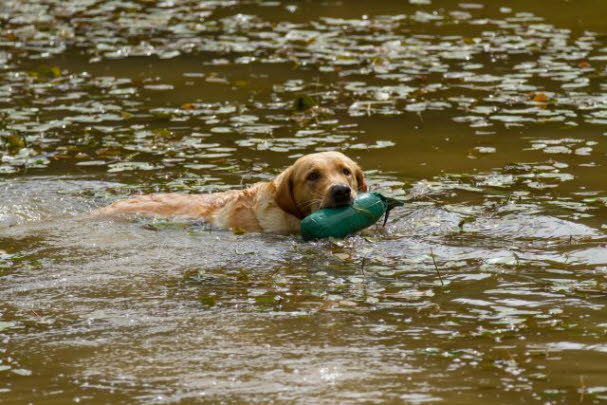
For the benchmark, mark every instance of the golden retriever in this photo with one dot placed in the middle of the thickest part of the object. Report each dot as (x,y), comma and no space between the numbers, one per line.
(318,180)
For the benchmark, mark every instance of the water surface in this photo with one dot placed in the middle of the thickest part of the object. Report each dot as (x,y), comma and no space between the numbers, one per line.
(489,286)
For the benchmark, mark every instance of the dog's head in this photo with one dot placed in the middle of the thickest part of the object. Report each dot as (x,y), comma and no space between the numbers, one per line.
(318,180)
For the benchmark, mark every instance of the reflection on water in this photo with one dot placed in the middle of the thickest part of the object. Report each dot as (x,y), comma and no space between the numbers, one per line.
(169,311)
(488,286)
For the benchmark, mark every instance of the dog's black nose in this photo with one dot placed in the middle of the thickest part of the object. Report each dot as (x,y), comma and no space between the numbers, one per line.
(340,193)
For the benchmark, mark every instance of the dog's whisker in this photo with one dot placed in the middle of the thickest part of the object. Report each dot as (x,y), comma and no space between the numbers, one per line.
(311,202)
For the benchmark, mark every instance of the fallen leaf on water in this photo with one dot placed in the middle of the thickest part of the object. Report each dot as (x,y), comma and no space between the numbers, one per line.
(304,102)
(327,305)
(14,142)
(162,132)
(22,371)
(208,300)
(264,300)
(238,231)
(342,256)
(584,64)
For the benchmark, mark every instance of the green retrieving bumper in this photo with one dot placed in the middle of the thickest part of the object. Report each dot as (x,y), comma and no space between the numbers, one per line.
(340,222)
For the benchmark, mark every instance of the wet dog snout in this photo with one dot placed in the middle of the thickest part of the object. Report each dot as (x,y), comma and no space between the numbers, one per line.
(341,194)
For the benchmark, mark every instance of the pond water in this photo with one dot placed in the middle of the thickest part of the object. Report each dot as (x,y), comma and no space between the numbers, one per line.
(489,286)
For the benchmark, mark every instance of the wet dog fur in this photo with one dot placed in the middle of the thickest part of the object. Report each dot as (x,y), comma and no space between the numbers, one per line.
(314,181)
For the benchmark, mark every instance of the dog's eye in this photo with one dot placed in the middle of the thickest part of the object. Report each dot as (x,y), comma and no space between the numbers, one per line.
(346,171)
(313,176)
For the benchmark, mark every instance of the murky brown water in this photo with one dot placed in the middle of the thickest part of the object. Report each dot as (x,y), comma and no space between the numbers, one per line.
(491,119)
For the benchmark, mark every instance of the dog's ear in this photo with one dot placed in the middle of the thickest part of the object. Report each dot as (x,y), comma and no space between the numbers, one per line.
(360,180)
(284,197)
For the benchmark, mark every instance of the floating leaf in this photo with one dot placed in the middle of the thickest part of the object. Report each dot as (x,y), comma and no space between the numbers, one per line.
(22,372)
(13,142)
(207,300)
(162,132)
(238,231)
(264,300)
(304,102)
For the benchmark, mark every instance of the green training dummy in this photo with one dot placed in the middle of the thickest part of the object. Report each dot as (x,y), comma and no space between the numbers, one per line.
(340,222)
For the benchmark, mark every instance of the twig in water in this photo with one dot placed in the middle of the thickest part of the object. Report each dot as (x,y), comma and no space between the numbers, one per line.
(362,269)
(518,262)
(436,267)
(582,388)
